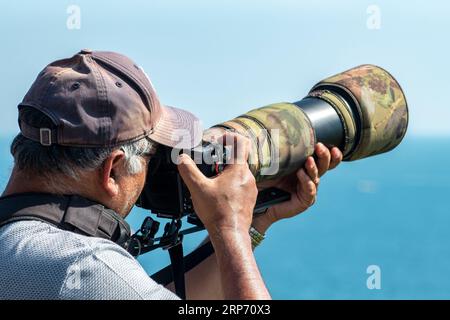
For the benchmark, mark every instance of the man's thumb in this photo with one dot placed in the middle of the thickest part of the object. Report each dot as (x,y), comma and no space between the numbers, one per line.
(189,171)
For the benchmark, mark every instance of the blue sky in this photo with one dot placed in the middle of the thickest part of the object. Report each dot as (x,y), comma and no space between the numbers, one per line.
(221,58)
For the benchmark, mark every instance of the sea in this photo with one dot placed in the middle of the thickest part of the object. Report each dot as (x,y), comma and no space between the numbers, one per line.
(380,230)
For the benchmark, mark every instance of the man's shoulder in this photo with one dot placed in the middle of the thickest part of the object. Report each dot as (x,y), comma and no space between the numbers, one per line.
(36,257)
(62,264)
(37,242)
(41,238)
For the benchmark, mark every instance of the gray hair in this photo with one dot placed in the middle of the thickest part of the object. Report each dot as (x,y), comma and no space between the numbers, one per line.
(34,158)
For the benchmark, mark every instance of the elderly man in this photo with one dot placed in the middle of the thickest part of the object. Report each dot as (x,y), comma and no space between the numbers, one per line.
(89,126)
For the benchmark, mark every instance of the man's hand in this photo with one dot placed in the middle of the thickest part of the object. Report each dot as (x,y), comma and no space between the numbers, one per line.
(302,186)
(225,206)
(226,201)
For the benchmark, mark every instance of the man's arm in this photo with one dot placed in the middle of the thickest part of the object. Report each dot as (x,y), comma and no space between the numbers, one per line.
(225,206)
(204,281)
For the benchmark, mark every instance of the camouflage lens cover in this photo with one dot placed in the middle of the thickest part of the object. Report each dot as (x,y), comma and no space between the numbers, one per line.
(368,100)
(381,104)
(282,138)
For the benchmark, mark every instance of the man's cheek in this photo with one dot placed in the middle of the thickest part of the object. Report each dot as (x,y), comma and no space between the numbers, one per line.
(141,181)
(138,186)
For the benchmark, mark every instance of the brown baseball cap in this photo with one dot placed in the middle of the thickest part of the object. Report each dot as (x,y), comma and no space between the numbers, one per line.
(100,98)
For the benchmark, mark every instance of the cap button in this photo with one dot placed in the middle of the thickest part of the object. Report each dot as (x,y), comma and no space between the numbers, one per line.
(86,51)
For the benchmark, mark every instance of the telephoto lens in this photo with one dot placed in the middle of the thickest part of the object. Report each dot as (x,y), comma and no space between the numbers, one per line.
(362,111)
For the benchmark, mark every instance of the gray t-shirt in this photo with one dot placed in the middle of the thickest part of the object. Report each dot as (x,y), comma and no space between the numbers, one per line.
(39,261)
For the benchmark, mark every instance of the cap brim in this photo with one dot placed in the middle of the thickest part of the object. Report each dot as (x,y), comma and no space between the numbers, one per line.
(177,128)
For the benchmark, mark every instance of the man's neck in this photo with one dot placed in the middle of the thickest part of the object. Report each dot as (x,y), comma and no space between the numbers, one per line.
(22,182)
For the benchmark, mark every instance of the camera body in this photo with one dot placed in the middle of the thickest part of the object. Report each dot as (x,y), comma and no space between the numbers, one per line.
(166,195)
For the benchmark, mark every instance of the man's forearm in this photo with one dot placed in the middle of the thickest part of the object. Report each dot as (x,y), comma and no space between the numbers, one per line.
(239,273)
(204,281)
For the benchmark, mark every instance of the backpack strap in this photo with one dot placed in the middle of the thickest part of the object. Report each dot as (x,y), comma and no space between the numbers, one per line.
(68,212)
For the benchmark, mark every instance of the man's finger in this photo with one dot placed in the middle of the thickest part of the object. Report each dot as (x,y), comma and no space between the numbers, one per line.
(189,172)
(312,170)
(306,184)
(323,158)
(336,158)
(240,147)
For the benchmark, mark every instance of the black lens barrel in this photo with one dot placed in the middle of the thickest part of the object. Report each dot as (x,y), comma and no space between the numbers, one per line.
(325,121)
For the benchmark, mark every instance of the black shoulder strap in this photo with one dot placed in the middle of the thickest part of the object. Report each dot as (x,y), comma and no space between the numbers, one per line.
(193,259)
(176,259)
(68,212)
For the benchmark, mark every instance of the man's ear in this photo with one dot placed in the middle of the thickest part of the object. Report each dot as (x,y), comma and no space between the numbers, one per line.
(110,172)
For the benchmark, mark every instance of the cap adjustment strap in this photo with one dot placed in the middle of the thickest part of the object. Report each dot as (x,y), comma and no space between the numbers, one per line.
(44,136)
